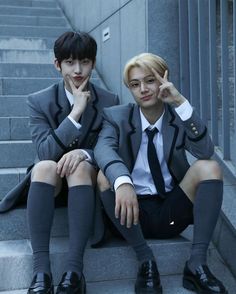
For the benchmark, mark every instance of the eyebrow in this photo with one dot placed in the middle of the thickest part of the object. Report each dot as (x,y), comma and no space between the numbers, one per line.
(142,79)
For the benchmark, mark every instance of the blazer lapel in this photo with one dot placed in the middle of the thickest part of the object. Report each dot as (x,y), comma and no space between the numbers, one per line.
(169,131)
(90,114)
(62,104)
(135,134)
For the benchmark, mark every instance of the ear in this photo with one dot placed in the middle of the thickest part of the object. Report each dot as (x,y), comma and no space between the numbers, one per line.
(57,65)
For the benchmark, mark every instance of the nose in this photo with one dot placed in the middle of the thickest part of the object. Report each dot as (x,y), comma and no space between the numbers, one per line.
(77,68)
(143,87)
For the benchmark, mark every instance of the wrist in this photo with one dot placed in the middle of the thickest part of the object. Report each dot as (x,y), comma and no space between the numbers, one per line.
(179,100)
(125,185)
(76,114)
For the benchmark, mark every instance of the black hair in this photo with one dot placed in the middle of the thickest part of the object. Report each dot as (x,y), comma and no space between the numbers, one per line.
(77,45)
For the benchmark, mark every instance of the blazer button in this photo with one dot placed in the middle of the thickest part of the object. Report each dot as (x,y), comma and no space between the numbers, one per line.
(192,124)
(193,128)
(196,132)
(76,140)
(70,145)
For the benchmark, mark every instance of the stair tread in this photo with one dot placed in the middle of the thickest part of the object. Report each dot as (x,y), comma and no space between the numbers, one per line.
(60,244)
(12,170)
(172,284)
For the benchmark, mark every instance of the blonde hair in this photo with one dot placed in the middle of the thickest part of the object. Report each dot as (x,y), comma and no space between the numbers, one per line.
(146,61)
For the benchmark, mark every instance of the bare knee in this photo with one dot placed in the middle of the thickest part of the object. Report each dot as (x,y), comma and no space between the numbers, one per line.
(45,171)
(207,170)
(85,174)
(102,182)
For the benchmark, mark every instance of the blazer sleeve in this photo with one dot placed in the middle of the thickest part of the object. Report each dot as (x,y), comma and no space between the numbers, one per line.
(197,139)
(106,150)
(50,143)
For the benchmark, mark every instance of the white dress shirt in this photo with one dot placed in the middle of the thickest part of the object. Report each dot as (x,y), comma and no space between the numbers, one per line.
(71,98)
(141,175)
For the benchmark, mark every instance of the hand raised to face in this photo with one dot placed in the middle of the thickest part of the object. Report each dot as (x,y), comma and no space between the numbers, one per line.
(81,98)
(167,91)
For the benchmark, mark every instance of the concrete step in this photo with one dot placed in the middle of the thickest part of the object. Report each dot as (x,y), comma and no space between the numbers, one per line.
(23,86)
(114,261)
(13,225)
(23,70)
(9,178)
(33,20)
(13,106)
(110,265)
(14,128)
(16,153)
(26,56)
(26,43)
(30,3)
(32,31)
(171,284)
(32,11)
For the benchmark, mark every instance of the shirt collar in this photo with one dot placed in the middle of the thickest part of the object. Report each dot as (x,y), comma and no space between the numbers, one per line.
(146,124)
(70,97)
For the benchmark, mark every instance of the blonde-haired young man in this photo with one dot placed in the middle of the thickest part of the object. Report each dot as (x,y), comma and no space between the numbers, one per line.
(141,150)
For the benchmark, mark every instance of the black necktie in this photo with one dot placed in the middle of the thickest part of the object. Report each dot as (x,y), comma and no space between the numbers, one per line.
(154,163)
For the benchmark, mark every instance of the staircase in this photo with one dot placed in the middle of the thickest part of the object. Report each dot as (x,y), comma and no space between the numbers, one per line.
(28,29)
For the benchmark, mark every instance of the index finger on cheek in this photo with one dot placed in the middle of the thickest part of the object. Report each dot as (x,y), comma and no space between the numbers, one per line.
(166,75)
(157,76)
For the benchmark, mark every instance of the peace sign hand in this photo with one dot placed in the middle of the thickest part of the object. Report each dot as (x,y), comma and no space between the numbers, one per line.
(81,98)
(167,91)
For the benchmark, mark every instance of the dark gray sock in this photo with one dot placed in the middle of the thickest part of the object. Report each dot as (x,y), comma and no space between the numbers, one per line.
(40,212)
(206,211)
(81,201)
(133,235)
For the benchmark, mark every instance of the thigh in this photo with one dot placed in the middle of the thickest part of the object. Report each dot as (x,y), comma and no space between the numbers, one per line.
(166,218)
(61,193)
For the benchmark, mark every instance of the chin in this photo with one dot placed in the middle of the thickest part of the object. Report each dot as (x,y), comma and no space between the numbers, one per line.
(148,104)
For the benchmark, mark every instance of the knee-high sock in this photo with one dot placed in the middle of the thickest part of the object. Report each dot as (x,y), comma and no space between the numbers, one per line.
(81,203)
(207,205)
(40,211)
(133,235)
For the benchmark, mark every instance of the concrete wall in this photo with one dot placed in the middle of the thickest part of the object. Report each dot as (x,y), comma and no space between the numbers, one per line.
(135,26)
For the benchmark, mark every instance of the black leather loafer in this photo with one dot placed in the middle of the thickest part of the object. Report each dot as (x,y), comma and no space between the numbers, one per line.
(71,284)
(203,281)
(148,279)
(41,284)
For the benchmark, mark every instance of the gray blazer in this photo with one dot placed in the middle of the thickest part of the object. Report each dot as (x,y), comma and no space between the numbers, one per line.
(53,134)
(119,141)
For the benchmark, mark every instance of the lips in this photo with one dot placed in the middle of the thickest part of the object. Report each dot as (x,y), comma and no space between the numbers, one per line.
(78,78)
(146,98)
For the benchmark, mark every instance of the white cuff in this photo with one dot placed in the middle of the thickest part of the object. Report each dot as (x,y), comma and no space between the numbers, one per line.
(87,154)
(76,124)
(122,180)
(184,111)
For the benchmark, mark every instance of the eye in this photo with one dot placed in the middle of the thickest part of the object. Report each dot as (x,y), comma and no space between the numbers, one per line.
(134,85)
(69,61)
(85,61)
(150,80)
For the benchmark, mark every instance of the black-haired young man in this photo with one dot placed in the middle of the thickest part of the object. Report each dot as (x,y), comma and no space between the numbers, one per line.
(64,120)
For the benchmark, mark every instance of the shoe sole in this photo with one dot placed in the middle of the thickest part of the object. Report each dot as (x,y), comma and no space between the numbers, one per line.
(50,291)
(78,292)
(190,285)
